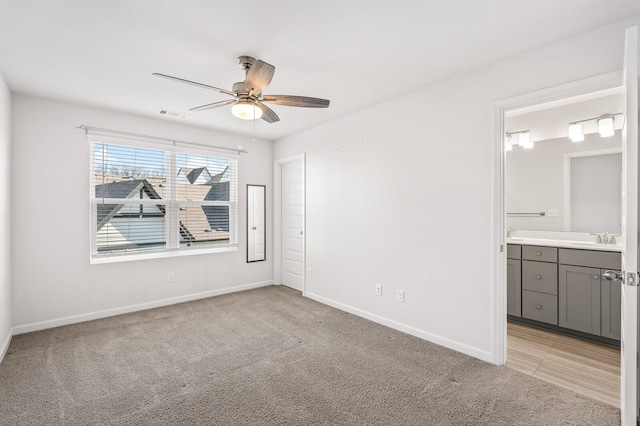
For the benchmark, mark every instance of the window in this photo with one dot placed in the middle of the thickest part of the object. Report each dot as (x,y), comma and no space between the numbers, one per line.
(149,202)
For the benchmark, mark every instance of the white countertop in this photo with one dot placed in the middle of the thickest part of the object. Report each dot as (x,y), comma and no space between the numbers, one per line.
(584,245)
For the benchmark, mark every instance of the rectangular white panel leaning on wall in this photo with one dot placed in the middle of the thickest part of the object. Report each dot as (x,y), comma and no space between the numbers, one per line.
(400,194)
(5,202)
(54,283)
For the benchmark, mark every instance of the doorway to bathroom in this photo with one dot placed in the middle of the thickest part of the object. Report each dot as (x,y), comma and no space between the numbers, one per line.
(567,286)
(563,203)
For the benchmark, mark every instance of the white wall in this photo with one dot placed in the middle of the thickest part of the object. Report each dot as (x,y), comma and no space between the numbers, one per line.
(53,279)
(401,194)
(5,230)
(534,180)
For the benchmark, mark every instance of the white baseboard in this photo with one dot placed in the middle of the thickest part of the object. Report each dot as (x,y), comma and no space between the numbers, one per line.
(4,346)
(28,328)
(434,338)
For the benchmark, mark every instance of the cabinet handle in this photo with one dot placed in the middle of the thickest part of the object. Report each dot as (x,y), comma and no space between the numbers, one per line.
(538,253)
(538,306)
(539,277)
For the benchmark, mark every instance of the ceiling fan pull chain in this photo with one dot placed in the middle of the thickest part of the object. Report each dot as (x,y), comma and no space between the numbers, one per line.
(254,125)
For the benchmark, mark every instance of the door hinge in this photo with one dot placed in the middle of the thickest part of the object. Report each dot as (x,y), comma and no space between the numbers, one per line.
(501,248)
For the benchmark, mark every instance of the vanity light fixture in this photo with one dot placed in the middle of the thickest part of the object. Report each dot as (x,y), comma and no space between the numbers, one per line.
(507,143)
(524,140)
(605,127)
(575,132)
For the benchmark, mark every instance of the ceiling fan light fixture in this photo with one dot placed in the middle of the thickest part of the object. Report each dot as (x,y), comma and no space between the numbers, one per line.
(246,110)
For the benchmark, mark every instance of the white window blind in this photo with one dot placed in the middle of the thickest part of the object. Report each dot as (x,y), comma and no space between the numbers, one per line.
(166,200)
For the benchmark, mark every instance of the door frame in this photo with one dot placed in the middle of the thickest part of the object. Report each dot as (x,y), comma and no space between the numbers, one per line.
(277,214)
(498,250)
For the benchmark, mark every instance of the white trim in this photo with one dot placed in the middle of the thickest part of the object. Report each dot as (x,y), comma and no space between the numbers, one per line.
(498,258)
(5,345)
(98,259)
(498,247)
(277,218)
(566,178)
(43,325)
(434,338)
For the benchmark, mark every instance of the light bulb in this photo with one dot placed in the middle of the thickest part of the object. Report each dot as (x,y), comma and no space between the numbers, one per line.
(246,110)
(605,127)
(575,132)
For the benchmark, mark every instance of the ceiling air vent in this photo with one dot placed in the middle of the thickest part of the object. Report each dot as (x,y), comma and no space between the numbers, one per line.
(173,114)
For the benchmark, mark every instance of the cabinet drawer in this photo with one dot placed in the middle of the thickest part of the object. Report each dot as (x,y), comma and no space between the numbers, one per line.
(514,251)
(541,254)
(539,276)
(590,258)
(540,307)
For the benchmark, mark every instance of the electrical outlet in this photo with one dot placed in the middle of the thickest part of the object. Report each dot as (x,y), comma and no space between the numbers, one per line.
(400,296)
(172,277)
(378,289)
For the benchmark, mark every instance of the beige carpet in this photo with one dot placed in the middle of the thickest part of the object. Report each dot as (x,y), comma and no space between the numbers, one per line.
(266,357)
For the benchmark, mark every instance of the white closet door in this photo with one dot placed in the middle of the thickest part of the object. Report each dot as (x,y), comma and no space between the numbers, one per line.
(292,211)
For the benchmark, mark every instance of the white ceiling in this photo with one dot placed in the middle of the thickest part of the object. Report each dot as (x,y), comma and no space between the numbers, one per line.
(356,53)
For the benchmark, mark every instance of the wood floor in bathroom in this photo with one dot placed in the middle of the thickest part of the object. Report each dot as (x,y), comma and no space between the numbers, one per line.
(588,368)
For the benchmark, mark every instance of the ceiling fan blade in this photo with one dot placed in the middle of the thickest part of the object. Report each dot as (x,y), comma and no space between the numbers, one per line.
(296,101)
(258,77)
(268,114)
(193,83)
(214,105)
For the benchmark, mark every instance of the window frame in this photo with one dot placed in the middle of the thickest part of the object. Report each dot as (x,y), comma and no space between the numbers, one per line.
(172,204)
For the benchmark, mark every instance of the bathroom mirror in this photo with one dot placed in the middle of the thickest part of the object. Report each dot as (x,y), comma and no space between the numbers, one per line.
(562,185)
(256,223)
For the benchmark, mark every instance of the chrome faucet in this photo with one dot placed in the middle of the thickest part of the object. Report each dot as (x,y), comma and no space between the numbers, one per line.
(606,238)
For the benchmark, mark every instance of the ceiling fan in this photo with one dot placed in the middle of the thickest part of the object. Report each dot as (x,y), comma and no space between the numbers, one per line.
(248,101)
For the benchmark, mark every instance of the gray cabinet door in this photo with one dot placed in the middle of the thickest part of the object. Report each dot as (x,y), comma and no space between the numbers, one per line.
(610,298)
(579,298)
(514,288)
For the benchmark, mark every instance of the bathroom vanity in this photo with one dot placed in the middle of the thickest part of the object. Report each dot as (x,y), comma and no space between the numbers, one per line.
(559,286)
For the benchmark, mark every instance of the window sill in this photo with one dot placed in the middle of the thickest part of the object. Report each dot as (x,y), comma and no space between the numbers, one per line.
(100,259)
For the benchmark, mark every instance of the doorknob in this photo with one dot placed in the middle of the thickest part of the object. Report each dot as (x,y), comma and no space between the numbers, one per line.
(612,275)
